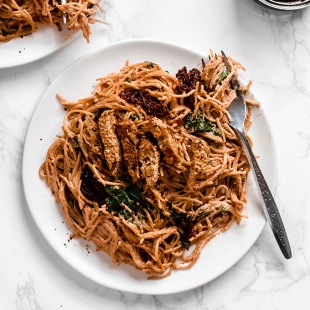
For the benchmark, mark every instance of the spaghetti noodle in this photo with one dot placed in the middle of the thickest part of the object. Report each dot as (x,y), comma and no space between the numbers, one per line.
(147,167)
(20,18)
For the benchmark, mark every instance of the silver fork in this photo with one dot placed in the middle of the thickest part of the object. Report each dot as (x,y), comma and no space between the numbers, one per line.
(237,111)
(64,16)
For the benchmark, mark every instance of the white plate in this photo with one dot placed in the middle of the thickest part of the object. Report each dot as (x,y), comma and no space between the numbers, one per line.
(45,41)
(77,82)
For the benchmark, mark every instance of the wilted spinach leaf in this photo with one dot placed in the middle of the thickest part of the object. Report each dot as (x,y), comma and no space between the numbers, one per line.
(130,196)
(200,123)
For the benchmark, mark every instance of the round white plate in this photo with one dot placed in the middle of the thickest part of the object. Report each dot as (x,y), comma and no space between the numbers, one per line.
(76,82)
(45,41)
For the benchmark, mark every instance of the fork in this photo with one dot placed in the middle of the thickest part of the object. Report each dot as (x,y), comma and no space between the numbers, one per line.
(64,15)
(237,111)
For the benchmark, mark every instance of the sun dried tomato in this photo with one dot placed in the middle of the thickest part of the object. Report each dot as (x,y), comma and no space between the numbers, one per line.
(187,80)
(91,188)
(151,105)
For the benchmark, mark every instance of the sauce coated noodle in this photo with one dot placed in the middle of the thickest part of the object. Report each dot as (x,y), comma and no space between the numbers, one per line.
(20,18)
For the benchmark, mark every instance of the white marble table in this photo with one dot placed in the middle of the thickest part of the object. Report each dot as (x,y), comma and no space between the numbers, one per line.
(275,48)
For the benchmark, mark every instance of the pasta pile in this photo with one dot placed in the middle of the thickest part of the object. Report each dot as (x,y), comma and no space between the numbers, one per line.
(20,18)
(148,168)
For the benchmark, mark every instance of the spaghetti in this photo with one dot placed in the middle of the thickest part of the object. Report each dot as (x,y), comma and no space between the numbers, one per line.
(147,167)
(20,18)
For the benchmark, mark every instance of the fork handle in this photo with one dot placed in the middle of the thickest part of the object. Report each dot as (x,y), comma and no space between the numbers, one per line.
(270,208)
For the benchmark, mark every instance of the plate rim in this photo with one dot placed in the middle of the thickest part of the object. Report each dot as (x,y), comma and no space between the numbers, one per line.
(44,30)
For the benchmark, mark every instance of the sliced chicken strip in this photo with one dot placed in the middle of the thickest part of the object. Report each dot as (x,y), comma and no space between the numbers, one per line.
(199,153)
(112,147)
(172,149)
(149,162)
(91,136)
(129,142)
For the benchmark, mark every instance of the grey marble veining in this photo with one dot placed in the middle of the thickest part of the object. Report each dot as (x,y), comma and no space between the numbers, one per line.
(274,46)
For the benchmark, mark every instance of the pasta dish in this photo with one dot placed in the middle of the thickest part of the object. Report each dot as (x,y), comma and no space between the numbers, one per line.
(147,167)
(20,18)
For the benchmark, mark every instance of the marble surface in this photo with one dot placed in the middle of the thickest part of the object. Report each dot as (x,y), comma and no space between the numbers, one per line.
(274,46)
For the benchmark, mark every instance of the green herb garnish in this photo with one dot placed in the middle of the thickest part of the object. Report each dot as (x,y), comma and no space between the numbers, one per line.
(201,215)
(223,209)
(184,223)
(223,76)
(134,117)
(75,141)
(151,64)
(129,196)
(185,244)
(134,193)
(200,123)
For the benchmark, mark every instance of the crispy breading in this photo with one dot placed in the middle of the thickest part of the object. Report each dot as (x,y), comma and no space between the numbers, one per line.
(199,153)
(91,136)
(112,147)
(149,157)
(129,142)
(171,148)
